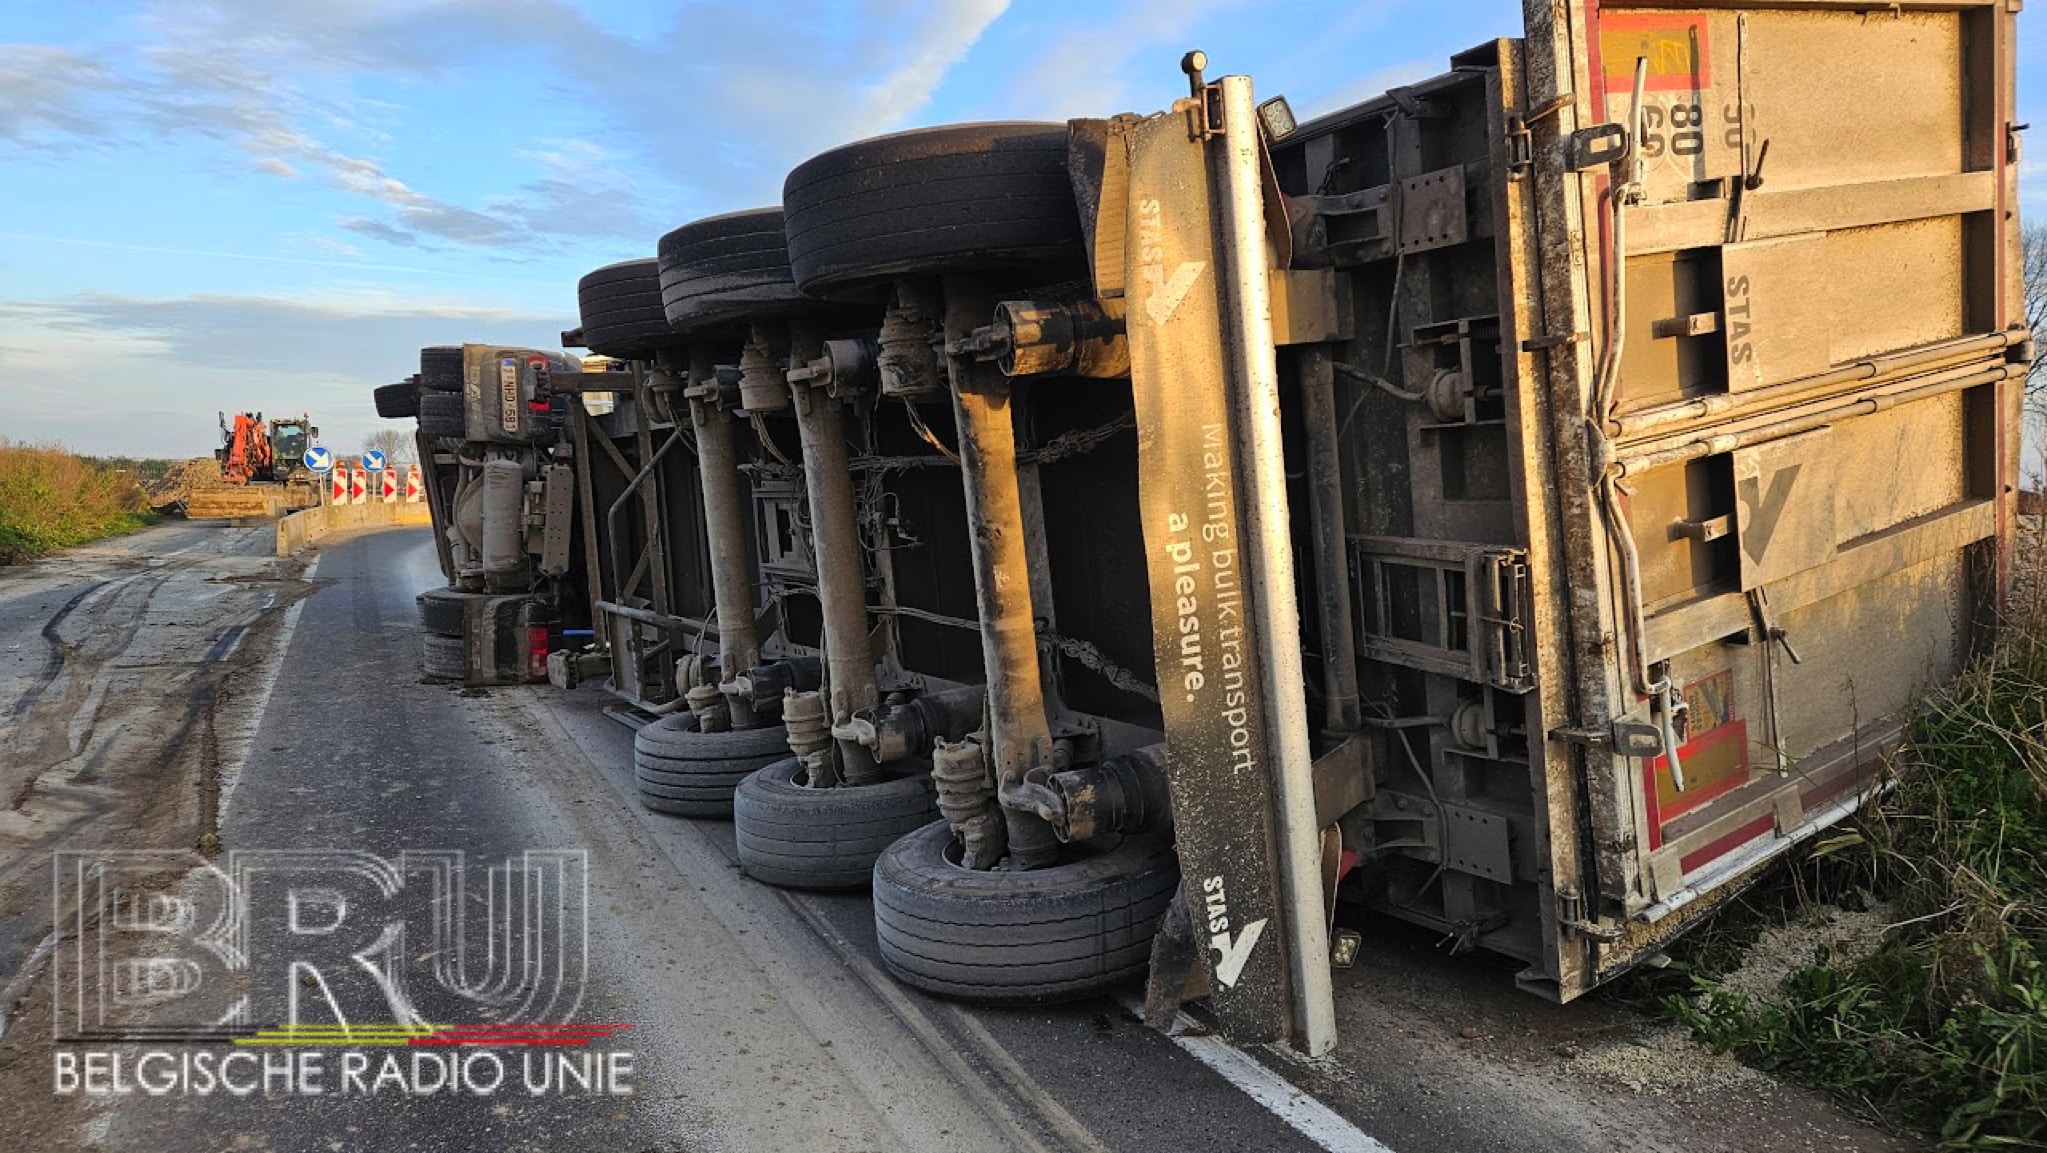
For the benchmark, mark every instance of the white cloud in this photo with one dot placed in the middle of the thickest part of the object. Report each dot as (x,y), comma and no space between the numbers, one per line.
(723,125)
(46,91)
(379,230)
(131,376)
(267,257)
(943,39)
(732,92)
(1085,73)
(579,189)
(190,90)
(326,243)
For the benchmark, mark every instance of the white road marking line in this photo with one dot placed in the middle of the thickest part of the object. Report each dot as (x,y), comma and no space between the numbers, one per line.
(242,742)
(1280,1097)
(943,1051)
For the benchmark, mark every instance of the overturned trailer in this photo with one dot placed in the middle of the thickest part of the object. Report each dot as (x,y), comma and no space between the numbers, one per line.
(1483,504)
(639,510)
(1655,442)
(838,634)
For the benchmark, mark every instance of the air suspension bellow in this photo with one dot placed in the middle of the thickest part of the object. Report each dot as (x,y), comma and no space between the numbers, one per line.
(761,387)
(809,730)
(907,354)
(966,799)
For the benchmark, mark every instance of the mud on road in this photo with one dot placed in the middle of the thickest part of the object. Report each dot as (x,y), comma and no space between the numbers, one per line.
(762,1019)
(126,670)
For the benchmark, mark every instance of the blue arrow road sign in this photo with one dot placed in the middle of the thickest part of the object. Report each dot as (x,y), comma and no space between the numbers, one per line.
(373,460)
(320,459)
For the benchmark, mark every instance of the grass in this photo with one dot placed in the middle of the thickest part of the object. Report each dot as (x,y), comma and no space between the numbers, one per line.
(52,499)
(1943,1027)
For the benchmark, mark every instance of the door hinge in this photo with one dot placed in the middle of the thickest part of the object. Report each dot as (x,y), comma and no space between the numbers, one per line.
(1520,148)
(1571,920)
(1520,142)
(1545,343)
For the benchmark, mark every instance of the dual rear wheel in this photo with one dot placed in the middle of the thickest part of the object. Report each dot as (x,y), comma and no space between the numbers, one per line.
(796,837)
(686,772)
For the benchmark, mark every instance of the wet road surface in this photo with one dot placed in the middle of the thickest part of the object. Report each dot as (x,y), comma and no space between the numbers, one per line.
(760,1020)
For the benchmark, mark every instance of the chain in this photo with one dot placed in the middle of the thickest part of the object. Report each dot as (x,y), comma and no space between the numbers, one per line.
(1077,442)
(1095,659)
(1066,444)
(1089,656)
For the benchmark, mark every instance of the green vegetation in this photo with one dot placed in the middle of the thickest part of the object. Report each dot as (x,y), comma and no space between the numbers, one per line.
(146,471)
(51,499)
(1943,1026)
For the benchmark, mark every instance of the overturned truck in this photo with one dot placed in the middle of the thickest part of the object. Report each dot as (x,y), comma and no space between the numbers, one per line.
(498,469)
(1525,504)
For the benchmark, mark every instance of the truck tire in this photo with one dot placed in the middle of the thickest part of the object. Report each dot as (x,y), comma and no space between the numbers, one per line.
(445,611)
(796,837)
(621,308)
(444,657)
(440,368)
(440,414)
(932,200)
(725,268)
(689,773)
(398,401)
(998,937)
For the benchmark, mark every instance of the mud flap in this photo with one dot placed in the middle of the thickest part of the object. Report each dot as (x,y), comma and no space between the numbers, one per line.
(1219,750)
(1179,968)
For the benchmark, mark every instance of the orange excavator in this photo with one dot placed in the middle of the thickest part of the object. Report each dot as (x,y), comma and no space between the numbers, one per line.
(258,470)
(247,453)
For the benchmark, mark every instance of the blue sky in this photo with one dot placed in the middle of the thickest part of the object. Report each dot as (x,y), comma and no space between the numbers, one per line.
(271,204)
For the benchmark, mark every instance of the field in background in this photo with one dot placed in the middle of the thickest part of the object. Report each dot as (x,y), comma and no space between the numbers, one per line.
(52,499)
(145,472)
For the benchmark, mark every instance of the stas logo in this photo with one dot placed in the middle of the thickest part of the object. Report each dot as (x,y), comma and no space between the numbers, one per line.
(1232,949)
(167,946)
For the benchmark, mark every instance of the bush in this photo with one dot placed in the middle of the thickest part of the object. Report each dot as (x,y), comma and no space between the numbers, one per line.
(1945,1024)
(51,499)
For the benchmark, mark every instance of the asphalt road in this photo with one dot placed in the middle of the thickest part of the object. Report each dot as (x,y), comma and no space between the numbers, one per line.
(117,668)
(760,1019)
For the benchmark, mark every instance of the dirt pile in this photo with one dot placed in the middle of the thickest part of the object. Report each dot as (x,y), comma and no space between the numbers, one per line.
(169,492)
(1822,934)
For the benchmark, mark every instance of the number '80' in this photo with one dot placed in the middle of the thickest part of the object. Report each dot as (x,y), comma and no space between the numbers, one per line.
(1686,137)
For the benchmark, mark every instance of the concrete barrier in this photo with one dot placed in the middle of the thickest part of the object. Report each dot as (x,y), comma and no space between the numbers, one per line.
(300,529)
